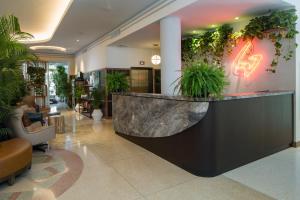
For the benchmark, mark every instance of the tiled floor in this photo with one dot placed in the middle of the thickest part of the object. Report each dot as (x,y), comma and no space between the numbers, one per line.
(115,168)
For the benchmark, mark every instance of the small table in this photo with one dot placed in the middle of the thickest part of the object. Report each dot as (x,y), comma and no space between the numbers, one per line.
(59,122)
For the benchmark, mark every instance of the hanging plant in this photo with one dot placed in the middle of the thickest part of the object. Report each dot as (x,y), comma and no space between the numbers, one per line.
(276,27)
(190,48)
(220,38)
(209,46)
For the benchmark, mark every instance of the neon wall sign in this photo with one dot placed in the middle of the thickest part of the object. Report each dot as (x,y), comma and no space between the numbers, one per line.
(245,64)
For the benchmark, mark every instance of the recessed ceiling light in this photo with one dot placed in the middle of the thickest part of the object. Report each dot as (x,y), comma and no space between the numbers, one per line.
(51,21)
(236,18)
(48,47)
(77,40)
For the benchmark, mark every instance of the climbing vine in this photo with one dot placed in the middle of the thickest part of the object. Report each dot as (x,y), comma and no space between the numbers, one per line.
(212,44)
(209,46)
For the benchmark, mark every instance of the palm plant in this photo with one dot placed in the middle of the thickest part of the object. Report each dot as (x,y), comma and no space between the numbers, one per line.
(200,79)
(12,55)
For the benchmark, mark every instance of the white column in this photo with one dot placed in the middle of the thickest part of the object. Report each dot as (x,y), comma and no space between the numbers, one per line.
(170,50)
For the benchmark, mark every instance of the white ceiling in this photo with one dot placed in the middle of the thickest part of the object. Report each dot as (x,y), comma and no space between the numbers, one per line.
(86,20)
(201,15)
(144,38)
(38,17)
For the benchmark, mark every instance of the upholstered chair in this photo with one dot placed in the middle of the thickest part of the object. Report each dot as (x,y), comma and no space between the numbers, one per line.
(37,137)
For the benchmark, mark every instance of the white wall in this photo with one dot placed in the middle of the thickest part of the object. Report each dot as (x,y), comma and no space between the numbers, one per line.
(283,79)
(296,3)
(124,57)
(70,60)
(92,59)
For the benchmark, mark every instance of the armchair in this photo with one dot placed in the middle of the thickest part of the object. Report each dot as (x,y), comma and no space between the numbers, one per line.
(42,136)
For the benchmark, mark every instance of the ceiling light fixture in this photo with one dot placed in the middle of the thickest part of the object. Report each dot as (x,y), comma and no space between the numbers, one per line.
(56,48)
(51,21)
(155,60)
(77,40)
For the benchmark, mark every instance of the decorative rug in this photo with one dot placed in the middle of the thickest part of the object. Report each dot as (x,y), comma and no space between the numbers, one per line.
(50,176)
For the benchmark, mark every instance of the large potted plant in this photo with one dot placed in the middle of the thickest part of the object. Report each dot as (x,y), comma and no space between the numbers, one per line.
(97,101)
(60,78)
(200,79)
(12,55)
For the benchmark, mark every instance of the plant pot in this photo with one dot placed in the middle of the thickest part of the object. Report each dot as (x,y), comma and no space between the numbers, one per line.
(97,114)
(78,108)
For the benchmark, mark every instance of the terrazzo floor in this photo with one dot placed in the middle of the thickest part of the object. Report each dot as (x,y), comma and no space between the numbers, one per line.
(114,168)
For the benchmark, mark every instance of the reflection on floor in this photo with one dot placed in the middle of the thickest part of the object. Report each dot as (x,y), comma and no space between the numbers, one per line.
(114,168)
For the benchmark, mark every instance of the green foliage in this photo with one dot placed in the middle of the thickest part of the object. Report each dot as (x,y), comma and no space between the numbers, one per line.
(60,78)
(5,133)
(117,82)
(12,86)
(12,52)
(37,75)
(97,98)
(209,46)
(220,37)
(277,26)
(200,79)
(190,48)
(12,55)
(79,90)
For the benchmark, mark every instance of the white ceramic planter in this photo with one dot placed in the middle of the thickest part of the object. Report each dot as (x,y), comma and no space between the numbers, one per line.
(97,114)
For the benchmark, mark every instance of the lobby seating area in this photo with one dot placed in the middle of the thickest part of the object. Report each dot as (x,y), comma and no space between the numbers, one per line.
(149,100)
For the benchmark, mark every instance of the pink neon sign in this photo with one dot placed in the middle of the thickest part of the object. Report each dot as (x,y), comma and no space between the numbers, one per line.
(245,64)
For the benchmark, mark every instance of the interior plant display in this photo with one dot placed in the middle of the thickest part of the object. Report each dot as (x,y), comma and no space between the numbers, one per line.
(117,82)
(97,101)
(277,26)
(12,55)
(200,79)
(37,75)
(79,91)
(208,46)
(211,45)
(60,78)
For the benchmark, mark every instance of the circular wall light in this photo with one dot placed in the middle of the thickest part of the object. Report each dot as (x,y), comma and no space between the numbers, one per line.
(48,47)
(155,60)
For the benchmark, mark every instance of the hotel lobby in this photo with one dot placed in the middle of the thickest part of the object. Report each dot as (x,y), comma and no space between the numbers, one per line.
(149,99)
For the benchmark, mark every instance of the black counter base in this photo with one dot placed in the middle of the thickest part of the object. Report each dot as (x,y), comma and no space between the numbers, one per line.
(233,133)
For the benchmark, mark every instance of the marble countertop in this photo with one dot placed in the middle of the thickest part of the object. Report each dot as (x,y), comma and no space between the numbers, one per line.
(225,97)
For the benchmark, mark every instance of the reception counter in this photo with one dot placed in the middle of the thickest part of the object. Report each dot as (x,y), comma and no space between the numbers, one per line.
(207,137)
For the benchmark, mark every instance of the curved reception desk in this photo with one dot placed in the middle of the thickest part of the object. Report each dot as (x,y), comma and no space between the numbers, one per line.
(207,137)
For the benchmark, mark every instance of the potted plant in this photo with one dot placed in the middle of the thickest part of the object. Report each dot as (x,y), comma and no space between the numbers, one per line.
(200,79)
(12,55)
(117,82)
(79,91)
(97,100)
(60,78)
